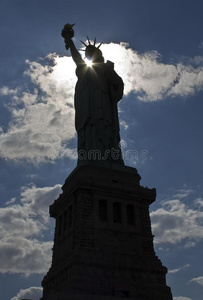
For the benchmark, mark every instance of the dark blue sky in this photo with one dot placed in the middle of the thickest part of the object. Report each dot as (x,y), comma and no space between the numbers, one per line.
(161,113)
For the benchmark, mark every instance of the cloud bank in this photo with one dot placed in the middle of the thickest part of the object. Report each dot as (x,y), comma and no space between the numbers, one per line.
(42,112)
(25,228)
(181,298)
(177,222)
(146,75)
(42,120)
(198,280)
(34,293)
(23,248)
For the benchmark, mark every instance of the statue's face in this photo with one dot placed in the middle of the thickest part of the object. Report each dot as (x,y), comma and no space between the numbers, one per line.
(92,53)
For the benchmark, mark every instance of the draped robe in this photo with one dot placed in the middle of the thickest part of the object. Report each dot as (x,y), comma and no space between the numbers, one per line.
(97,92)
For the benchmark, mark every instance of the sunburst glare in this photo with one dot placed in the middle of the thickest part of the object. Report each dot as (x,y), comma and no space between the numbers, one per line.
(88,62)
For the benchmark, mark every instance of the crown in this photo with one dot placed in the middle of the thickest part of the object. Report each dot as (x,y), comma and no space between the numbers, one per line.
(89,44)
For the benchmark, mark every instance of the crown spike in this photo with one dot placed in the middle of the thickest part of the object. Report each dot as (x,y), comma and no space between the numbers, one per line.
(88,40)
(94,41)
(99,45)
(83,43)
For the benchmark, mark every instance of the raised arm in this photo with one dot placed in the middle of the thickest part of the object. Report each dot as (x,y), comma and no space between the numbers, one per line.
(68,33)
(74,52)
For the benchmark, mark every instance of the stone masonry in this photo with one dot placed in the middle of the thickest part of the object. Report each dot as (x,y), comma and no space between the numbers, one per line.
(103,244)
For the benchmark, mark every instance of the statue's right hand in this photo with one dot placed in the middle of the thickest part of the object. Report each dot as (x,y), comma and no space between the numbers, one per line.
(67,42)
(68,31)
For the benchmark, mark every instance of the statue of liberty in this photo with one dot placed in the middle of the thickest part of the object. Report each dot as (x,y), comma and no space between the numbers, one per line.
(97,92)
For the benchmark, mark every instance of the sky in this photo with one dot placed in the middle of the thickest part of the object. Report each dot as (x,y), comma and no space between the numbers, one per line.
(157,48)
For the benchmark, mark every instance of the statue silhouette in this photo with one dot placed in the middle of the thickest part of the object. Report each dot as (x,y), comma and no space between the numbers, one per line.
(97,92)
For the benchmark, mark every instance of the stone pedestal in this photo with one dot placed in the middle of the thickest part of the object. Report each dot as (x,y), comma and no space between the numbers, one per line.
(103,245)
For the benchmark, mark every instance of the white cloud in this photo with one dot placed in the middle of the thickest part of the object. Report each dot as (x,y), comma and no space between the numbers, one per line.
(5,91)
(189,81)
(25,256)
(174,271)
(146,74)
(181,298)
(182,193)
(176,222)
(189,244)
(39,199)
(124,124)
(198,280)
(12,200)
(178,269)
(17,220)
(42,122)
(22,227)
(34,293)
(39,133)
(199,202)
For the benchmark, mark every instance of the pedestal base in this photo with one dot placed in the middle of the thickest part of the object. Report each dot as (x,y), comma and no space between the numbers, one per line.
(103,245)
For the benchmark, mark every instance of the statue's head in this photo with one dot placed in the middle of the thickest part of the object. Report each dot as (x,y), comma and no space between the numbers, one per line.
(93,53)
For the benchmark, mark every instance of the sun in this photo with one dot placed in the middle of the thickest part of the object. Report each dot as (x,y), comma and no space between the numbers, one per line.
(88,62)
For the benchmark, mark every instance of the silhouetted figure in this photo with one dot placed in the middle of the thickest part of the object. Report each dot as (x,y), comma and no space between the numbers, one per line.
(97,92)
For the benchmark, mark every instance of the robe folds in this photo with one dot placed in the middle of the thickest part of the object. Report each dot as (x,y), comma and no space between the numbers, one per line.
(97,92)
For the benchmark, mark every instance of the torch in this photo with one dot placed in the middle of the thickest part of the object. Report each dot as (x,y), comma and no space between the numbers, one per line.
(67,32)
